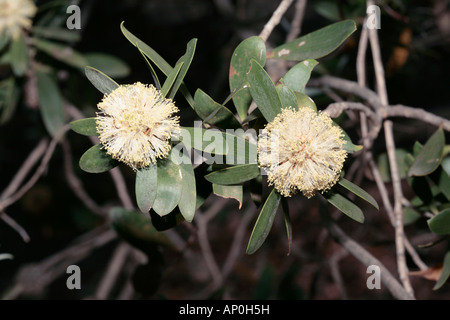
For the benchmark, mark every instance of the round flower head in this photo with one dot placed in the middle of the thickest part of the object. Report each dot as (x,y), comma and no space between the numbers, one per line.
(136,124)
(301,151)
(15,15)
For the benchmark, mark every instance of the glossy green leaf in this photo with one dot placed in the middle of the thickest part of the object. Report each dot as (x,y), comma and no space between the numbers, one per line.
(429,158)
(188,197)
(298,76)
(251,48)
(61,52)
(287,97)
(345,206)
(264,222)
(445,273)
(234,175)
(19,56)
(168,84)
(109,64)
(165,67)
(440,223)
(353,188)
(101,81)
(50,103)
(304,101)
(86,127)
(169,187)
(263,91)
(96,160)
(230,191)
(151,69)
(136,228)
(145,187)
(214,113)
(236,149)
(185,61)
(316,44)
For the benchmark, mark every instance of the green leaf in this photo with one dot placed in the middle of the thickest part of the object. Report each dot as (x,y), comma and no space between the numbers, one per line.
(287,223)
(168,84)
(101,81)
(86,127)
(109,64)
(441,178)
(287,97)
(234,175)
(316,44)
(96,160)
(169,187)
(237,149)
(264,222)
(213,113)
(145,187)
(345,206)
(440,223)
(60,52)
(19,56)
(9,95)
(165,67)
(429,158)
(136,228)
(188,197)
(230,191)
(304,101)
(445,273)
(263,91)
(350,186)
(410,215)
(298,76)
(251,48)
(185,61)
(349,146)
(50,103)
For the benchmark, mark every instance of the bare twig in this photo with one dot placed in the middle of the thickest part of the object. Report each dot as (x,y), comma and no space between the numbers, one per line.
(275,19)
(395,176)
(296,25)
(13,224)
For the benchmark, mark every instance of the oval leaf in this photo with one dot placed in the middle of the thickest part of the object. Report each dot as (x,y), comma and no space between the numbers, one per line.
(298,76)
(168,190)
(19,56)
(316,44)
(86,127)
(50,103)
(188,197)
(440,223)
(264,222)
(145,187)
(251,48)
(96,160)
(429,158)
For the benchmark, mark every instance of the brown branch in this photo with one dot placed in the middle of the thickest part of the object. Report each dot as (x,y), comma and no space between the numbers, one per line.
(275,19)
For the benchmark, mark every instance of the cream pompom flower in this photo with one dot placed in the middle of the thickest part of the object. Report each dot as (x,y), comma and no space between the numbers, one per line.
(136,123)
(16,15)
(301,151)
